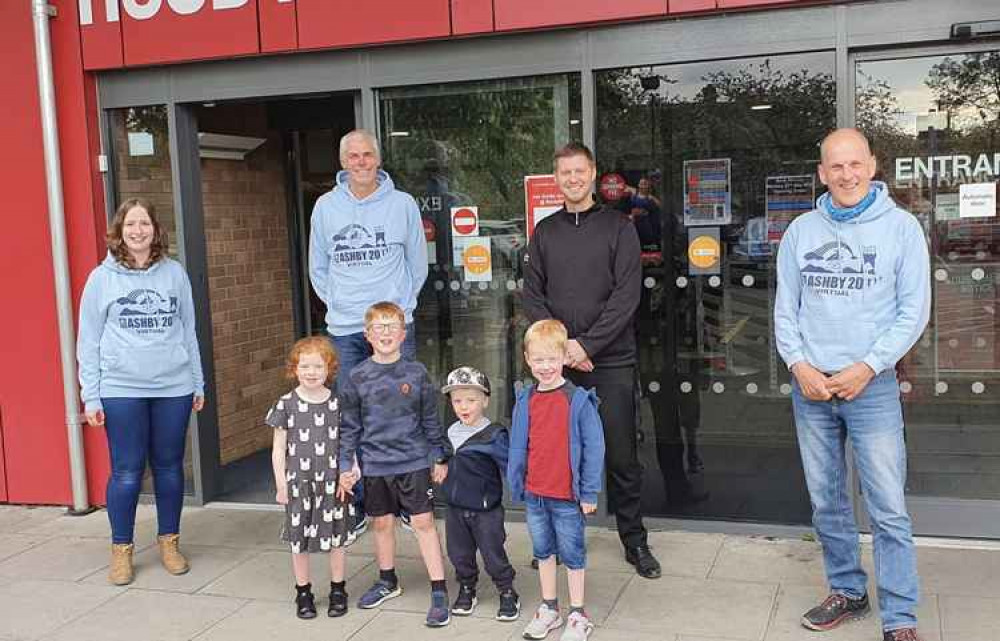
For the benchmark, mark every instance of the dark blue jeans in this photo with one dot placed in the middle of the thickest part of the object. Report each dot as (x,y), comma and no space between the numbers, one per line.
(141,430)
(353,349)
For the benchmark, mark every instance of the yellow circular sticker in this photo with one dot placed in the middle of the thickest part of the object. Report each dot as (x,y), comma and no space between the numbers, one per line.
(704,252)
(477,259)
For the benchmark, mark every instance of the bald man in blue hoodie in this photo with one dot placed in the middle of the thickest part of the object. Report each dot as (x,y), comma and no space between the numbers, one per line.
(853,297)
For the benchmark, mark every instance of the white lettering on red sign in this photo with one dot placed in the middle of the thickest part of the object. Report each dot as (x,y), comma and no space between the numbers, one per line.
(146,9)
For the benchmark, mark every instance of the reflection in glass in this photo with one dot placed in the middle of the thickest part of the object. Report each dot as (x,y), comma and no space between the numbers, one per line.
(471,145)
(714,160)
(935,125)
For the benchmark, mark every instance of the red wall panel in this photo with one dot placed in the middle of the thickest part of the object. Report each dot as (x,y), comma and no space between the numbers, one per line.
(3,474)
(685,6)
(167,36)
(35,445)
(529,14)
(342,23)
(101,39)
(471,16)
(278,28)
(733,4)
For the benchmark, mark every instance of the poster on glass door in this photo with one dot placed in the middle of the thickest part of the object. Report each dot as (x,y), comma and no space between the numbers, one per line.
(785,198)
(708,198)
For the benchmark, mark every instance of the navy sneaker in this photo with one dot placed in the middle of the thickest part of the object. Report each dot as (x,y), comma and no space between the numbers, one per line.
(510,606)
(465,602)
(378,594)
(360,525)
(438,615)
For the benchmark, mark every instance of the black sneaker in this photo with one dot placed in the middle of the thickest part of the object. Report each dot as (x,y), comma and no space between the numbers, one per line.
(465,602)
(834,610)
(902,634)
(510,606)
(338,603)
(305,604)
(645,563)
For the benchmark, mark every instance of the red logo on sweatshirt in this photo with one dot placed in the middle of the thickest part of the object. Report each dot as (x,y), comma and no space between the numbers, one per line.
(405,389)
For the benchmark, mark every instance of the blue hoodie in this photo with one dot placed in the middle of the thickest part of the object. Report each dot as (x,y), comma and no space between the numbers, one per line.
(857,291)
(362,251)
(586,444)
(137,335)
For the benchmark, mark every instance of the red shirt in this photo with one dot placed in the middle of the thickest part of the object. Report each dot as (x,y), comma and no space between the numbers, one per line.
(548,471)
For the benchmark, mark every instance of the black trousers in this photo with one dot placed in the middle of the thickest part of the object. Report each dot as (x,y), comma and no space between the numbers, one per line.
(468,530)
(615,386)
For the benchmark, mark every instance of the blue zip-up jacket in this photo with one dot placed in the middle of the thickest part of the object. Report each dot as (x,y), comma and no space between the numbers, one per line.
(363,251)
(476,469)
(857,291)
(586,444)
(137,334)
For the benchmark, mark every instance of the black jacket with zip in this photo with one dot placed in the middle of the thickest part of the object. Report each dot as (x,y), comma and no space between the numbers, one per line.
(584,269)
(476,469)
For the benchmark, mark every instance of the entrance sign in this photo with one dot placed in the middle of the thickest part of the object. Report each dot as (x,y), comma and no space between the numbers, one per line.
(465,221)
(955,168)
(707,195)
(785,198)
(704,251)
(977,200)
(542,198)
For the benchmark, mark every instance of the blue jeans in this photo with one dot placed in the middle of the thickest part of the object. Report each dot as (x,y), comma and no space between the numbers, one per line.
(873,422)
(556,527)
(141,429)
(352,349)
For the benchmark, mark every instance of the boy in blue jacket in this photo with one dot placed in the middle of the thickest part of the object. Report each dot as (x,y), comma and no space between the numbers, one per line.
(474,491)
(555,467)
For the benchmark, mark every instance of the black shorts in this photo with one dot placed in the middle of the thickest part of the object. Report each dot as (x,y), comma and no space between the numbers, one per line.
(411,492)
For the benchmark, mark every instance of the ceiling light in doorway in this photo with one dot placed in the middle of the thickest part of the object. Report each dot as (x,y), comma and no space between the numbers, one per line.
(225,146)
(574,121)
(399,134)
(761,107)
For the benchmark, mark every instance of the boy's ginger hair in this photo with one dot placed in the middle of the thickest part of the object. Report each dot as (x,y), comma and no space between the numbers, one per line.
(384,308)
(547,333)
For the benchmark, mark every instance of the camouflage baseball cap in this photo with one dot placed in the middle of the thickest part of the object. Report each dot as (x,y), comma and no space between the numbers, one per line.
(468,378)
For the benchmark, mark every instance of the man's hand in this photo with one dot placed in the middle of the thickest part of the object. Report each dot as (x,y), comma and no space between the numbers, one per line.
(812,382)
(440,472)
(584,366)
(849,383)
(588,508)
(281,496)
(95,418)
(575,355)
(198,404)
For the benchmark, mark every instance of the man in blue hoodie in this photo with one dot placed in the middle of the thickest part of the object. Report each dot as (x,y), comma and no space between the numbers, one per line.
(853,297)
(366,245)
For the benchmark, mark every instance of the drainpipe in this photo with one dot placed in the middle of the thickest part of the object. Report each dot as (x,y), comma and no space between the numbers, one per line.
(41,11)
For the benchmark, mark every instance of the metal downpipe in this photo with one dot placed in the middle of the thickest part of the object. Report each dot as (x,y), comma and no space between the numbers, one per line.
(41,11)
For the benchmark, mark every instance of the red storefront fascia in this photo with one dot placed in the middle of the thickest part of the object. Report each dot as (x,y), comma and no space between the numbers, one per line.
(94,35)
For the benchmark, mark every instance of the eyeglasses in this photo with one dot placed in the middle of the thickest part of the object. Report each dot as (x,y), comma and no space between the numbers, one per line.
(385,328)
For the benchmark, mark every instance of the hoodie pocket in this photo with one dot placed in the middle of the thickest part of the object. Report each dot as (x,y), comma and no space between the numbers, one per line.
(159,364)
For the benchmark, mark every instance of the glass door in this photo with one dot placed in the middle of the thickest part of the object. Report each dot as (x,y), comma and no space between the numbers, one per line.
(934,120)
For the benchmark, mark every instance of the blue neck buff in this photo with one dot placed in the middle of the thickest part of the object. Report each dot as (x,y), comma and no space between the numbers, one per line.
(844,214)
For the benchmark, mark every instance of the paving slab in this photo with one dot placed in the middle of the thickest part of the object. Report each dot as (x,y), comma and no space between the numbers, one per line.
(793,601)
(148,615)
(267,620)
(12,544)
(766,559)
(14,517)
(207,565)
(968,618)
(268,576)
(232,528)
(689,554)
(94,525)
(67,558)
(706,607)
(410,626)
(956,571)
(32,609)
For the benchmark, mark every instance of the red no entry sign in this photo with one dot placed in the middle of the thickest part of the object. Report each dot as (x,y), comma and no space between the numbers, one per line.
(465,221)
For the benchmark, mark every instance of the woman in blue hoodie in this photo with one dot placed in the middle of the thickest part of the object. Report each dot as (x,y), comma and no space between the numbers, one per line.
(140,374)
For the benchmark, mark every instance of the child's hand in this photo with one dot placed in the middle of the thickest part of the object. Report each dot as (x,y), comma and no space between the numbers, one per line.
(281,496)
(588,508)
(440,472)
(347,481)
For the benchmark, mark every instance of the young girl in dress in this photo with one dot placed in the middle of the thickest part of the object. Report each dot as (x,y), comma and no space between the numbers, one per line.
(318,516)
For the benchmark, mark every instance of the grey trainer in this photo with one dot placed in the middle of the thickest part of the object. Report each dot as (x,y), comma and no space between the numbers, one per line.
(545,620)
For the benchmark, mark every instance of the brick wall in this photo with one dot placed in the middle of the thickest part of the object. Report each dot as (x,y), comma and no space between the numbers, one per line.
(249,283)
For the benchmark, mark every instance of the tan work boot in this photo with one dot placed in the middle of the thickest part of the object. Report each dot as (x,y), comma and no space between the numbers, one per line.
(120,572)
(170,555)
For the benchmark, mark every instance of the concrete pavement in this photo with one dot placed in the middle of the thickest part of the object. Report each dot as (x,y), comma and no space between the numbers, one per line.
(715,587)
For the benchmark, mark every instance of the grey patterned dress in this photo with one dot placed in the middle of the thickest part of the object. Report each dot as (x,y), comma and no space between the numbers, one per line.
(315,520)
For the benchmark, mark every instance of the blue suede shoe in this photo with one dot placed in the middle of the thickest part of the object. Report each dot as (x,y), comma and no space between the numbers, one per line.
(439,615)
(378,594)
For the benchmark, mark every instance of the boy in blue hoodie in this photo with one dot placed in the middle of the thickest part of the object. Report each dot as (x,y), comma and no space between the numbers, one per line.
(555,467)
(853,297)
(474,491)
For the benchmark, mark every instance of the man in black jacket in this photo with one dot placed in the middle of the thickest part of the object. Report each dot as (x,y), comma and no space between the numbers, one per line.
(582,268)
